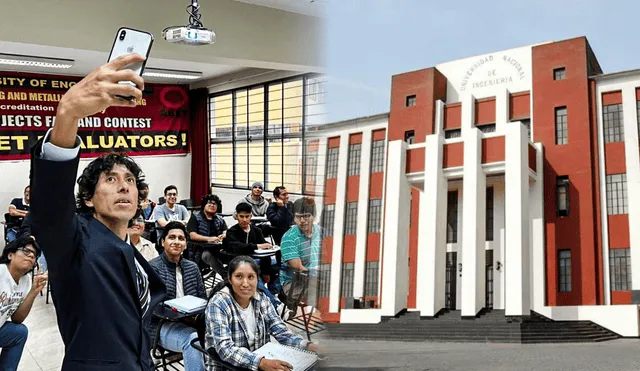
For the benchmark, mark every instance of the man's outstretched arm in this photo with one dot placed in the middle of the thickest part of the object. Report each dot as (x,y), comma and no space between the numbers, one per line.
(55,158)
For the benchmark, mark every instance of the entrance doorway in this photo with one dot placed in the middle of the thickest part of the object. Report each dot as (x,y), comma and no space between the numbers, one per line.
(450,281)
(489,280)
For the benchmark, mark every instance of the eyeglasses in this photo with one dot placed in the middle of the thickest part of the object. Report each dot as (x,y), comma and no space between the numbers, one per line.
(139,221)
(28,252)
(304,216)
(172,194)
(212,203)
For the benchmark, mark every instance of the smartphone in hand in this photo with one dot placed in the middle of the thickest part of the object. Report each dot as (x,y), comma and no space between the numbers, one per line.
(129,41)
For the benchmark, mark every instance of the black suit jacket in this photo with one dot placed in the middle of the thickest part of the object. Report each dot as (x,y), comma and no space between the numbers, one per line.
(92,274)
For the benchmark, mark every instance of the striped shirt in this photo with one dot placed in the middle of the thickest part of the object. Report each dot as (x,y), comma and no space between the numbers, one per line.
(295,245)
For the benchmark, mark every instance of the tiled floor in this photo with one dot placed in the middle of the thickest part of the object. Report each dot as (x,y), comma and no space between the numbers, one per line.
(45,350)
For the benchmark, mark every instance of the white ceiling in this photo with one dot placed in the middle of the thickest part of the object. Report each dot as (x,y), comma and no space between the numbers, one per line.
(314,8)
(253,36)
(87,60)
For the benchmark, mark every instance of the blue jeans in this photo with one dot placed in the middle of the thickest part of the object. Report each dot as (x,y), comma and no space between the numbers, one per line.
(177,337)
(12,339)
(12,234)
(275,302)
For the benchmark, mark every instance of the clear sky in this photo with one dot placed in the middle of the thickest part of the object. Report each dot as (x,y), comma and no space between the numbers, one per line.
(371,40)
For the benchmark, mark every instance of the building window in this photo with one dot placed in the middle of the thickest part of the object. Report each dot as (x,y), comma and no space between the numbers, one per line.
(332,162)
(375,214)
(328,217)
(452,217)
(617,194)
(613,123)
(353,167)
(311,170)
(620,269)
(559,74)
(489,225)
(409,136)
(638,115)
(527,124)
(371,279)
(351,221)
(377,156)
(453,133)
(410,100)
(347,280)
(257,134)
(562,196)
(562,132)
(324,284)
(490,128)
(564,270)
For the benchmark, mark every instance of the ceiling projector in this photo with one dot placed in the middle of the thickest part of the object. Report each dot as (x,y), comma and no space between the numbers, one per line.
(193,33)
(189,36)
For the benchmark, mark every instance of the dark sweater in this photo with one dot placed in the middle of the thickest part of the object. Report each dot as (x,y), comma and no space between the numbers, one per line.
(191,281)
(281,219)
(239,242)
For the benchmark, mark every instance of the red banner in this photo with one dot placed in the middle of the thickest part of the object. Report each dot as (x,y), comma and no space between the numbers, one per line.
(28,103)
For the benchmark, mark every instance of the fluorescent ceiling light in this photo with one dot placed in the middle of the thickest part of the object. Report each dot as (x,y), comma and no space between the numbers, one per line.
(171,74)
(31,61)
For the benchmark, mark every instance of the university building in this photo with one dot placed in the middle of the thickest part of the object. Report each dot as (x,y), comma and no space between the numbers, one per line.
(503,181)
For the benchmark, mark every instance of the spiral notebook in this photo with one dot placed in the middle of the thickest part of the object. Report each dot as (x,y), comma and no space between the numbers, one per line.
(300,359)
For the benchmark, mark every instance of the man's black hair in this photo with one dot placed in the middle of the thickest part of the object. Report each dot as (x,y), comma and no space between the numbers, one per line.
(211,197)
(14,245)
(305,205)
(243,207)
(174,225)
(277,190)
(91,174)
(170,187)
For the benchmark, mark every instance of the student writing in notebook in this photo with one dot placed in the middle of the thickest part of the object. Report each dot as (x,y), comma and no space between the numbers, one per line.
(241,319)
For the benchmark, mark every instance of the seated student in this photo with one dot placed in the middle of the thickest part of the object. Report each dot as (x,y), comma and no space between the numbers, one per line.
(146,204)
(280,214)
(18,293)
(181,277)
(144,246)
(170,211)
(244,239)
(207,226)
(240,319)
(301,247)
(258,203)
(18,209)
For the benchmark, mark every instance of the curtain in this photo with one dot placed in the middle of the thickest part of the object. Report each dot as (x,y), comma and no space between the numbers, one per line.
(200,143)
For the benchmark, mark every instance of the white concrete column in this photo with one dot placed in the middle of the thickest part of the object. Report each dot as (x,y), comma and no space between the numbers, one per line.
(432,232)
(395,253)
(474,200)
(537,239)
(498,244)
(632,155)
(338,225)
(516,263)
(468,113)
(438,125)
(321,162)
(363,215)
(502,108)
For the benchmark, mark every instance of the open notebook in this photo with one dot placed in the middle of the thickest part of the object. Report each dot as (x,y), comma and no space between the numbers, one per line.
(187,304)
(300,359)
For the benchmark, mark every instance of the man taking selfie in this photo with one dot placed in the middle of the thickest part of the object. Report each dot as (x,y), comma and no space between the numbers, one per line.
(103,288)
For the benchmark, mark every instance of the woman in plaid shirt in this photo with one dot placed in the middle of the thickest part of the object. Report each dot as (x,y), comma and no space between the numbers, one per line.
(241,319)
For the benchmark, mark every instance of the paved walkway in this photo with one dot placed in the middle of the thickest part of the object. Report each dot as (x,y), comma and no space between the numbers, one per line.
(617,355)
